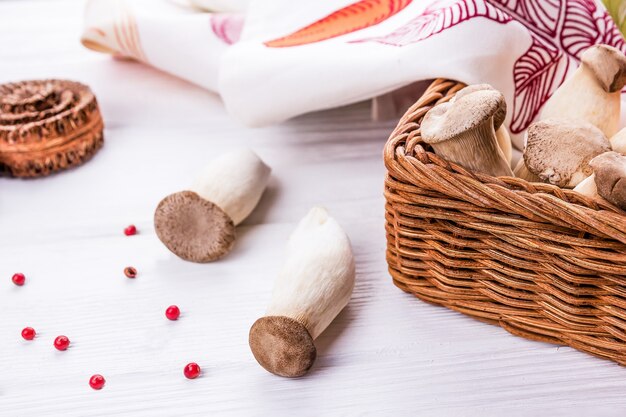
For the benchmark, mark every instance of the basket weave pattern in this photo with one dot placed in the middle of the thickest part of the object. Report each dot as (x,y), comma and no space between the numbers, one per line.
(544,263)
(47,126)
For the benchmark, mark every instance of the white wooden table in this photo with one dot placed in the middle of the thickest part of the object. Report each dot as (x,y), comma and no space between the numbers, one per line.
(386,354)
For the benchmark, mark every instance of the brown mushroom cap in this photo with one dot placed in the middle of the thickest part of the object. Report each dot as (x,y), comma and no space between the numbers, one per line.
(557,149)
(498,117)
(282,346)
(608,64)
(448,120)
(193,228)
(610,170)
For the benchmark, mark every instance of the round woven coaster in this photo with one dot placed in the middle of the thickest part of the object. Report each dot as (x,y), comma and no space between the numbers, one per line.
(47,126)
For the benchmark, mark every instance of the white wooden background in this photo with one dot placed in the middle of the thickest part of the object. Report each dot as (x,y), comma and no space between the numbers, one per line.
(386,354)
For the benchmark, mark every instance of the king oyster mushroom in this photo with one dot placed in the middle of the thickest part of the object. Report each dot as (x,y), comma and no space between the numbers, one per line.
(463,132)
(618,141)
(558,151)
(502,134)
(314,285)
(608,179)
(593,92)
(198,225)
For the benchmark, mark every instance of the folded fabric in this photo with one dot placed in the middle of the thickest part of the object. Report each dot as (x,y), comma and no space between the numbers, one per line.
(271,60)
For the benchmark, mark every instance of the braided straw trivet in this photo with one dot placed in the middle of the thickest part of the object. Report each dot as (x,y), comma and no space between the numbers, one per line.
(47,126)
(542,262)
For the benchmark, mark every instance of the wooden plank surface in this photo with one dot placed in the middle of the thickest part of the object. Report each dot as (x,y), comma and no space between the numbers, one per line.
(386,354)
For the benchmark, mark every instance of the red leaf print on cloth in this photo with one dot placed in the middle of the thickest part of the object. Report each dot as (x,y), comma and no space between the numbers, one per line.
(537,74)
(227,27)
(541,15)
(561,31)
(585,25)
(438,17)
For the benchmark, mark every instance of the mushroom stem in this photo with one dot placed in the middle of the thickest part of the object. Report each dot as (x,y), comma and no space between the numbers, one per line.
(234,182)
(592,94)
(476,149)
(618,141)
(504,142)
(314,285)
(521,171)
(588,187)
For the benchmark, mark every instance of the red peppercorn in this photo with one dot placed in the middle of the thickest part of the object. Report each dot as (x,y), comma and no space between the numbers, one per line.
(130,230)
(28,333)
(172,312)
(97,381)
(18,279)
(61,342)
(192,370)
(130,272)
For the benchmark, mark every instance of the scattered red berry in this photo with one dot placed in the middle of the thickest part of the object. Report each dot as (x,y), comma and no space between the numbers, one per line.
(28,333)
(130,230)
(18,279)
(130,272)
(61,342)
(172,312)
(192,370)
(97,381)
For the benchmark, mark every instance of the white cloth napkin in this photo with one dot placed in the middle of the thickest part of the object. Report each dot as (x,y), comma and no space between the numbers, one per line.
(271,60)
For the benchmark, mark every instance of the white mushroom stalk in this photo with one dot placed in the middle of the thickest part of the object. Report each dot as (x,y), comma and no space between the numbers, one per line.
(588,187)
(314,285)
(199,225)
(593,92)
(558,151)
(463,132)
(618,141)
(235,182)
(521,171)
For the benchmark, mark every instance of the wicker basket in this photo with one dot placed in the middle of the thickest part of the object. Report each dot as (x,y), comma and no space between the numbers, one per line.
(544,263)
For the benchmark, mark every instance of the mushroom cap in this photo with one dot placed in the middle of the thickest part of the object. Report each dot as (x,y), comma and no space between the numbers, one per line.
(448,120)
(559,150)
(608,64)
(498,118)
(193,228)
(610,170)
(282,346)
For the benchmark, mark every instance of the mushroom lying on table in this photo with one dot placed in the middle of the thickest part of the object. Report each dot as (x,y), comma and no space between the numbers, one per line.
(608,179)
(502,134)
(463,132)
(558,151)
(593,92)
(199,225)
(314,285)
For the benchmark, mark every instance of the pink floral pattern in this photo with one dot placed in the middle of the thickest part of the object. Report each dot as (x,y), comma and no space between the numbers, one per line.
(560,30)
(227,27)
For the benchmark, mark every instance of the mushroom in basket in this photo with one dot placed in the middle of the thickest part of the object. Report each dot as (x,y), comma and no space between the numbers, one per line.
(502,134)
(464,131)
(558,151)
(593,92)
(618,141)
(608,180)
